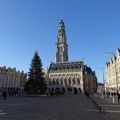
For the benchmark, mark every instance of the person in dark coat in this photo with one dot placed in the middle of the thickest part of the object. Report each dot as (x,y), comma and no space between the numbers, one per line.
(87,94)
(4,95)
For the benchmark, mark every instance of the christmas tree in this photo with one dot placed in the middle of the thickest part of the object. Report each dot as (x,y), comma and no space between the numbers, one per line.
(36,81)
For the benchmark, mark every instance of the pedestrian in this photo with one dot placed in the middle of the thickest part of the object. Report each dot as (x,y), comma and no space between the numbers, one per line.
(87,94)
(4,95)
(107,94)
(51,93)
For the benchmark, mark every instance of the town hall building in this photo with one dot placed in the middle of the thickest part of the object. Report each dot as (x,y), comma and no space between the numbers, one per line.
(71,77)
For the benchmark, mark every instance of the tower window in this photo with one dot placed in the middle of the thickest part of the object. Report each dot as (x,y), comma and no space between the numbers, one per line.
(59,49)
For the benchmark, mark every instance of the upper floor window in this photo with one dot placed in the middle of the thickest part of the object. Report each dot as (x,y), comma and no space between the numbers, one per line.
(73,81)
(69,81)
(53,82)
(57,82)
(65,81)
(61,81)
(78,81)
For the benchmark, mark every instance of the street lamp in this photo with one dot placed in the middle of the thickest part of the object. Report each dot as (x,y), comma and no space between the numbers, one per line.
(115,75)
(103,80)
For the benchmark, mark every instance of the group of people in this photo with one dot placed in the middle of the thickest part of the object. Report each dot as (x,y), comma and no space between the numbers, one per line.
(9,93)
(56,93)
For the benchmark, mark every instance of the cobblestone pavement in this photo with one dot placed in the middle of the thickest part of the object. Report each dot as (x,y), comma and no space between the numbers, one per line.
(112,110)
(69,107)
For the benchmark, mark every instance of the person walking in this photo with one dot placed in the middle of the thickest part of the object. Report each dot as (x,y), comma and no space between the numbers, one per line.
(87,94)
(4,95)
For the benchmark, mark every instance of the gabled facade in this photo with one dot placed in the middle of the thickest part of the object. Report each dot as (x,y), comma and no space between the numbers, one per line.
(12,80)
(23,80)
(113,73)
(90,80)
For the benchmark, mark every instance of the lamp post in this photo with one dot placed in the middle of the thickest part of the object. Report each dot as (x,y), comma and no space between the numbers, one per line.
(115,76)
(103,81)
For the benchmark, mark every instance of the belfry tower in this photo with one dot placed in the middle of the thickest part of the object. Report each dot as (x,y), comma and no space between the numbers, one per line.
(61,54)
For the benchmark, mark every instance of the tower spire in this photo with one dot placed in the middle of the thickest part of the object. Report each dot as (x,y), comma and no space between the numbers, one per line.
(61,44)
(61,18)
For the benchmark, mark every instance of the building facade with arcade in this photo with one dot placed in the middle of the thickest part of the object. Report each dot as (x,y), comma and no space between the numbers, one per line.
(68,76)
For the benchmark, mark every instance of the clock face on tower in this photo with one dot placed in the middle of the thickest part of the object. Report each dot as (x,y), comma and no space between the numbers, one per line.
(60,40)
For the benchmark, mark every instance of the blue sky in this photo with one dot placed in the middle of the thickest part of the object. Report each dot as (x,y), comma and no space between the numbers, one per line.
(92,28)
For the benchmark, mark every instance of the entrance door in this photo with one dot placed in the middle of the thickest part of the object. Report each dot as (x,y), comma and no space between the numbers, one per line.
(75,91)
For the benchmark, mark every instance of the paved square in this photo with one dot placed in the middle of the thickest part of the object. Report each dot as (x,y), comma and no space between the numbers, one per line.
(69,107)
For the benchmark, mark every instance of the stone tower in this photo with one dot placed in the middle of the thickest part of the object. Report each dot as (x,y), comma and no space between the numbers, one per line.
(61,54)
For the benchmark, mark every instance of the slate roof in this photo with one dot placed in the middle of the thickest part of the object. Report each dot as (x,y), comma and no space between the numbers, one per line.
(66,66)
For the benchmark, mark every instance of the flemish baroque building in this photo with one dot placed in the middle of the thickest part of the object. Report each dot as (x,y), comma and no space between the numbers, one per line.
(113,73)
(12,80)
(70,77)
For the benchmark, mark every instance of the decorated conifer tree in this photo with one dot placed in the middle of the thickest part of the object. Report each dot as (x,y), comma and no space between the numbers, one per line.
(36,83)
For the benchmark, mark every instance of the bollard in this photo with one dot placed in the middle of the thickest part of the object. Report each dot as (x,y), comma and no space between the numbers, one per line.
(104,115)
(97,106)
(100,109)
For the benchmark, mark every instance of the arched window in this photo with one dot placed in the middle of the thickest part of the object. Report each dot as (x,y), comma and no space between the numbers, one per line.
(60,49)
(53,81)
(69,81)
(61,81)
(65,81)
(57,82)
(49,82)
(78,81)
(73,81)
